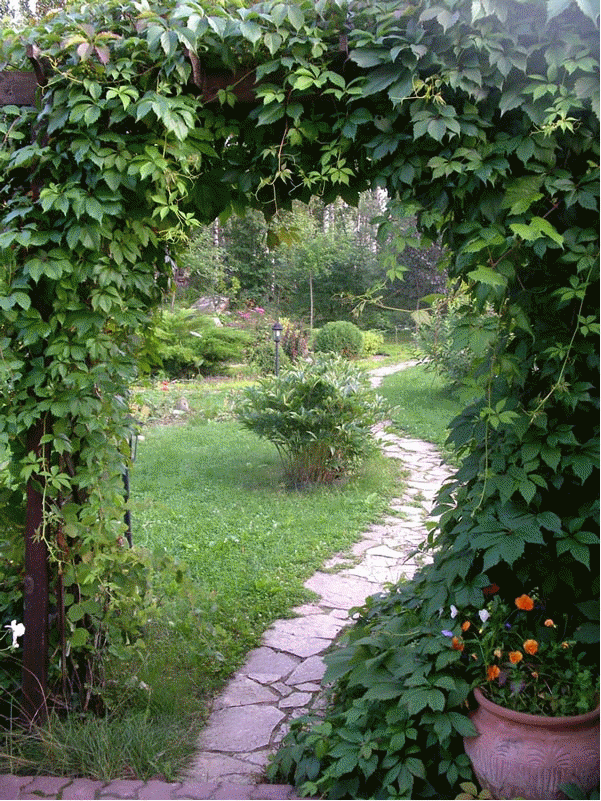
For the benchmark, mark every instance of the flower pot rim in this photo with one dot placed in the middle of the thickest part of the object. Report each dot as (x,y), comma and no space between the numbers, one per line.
(535,720)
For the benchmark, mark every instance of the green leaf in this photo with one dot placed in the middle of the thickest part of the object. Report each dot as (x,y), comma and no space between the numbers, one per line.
(369,58)
(416,700)
(384,691)
(273,42)
(296,17)
(522,192)
(550,521)
(94,208)
(79,638)
(437,128)
(485,275)
(271,113)
(538,228)
(251,31)
(462,724)
(380,79)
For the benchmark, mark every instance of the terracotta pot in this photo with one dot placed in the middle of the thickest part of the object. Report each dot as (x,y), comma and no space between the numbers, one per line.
(516,755)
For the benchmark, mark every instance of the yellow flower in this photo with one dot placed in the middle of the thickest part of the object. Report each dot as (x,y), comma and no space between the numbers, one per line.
(492,673)
(524,602)
(515,657)
(531,647)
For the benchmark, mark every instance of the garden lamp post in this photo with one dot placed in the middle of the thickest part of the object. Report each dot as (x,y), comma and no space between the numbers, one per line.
(276,330)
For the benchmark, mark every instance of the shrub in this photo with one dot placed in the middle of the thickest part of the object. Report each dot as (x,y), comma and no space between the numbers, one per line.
(184,343)
(318,415)
(373,343)
(261,357)
(339,337)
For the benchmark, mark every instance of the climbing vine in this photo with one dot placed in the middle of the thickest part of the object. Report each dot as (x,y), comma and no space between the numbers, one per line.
(481,118)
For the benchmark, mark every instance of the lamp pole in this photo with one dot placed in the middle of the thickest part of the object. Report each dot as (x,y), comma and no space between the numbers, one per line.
(276,330)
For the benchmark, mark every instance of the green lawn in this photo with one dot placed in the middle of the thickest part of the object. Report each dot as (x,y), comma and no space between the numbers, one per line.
(423,404)
(211,495)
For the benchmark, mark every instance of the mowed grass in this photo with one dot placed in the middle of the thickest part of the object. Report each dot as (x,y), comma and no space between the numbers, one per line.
(211,495)
(423,404)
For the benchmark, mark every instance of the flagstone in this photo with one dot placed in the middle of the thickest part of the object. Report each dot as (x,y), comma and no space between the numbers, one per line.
(242,691)
(241,728)
(295,700)
(298,645)
(340,592)
(266,665)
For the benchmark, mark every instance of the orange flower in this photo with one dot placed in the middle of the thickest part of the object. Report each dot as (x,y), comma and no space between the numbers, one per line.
(565,645)
(457,644)
(549,622)
(531,647)
(515,657)
(492,673)
(465,626)
(524,602)
(534,674)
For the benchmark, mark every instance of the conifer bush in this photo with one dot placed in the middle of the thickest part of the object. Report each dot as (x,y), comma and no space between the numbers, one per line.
(318,415)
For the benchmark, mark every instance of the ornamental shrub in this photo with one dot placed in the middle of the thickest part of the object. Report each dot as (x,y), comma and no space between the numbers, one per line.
(318,415)
(339,337)
(373,343)
(184,343)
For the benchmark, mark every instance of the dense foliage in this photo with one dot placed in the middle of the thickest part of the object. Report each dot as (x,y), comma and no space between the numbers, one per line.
(479,117)
(319,414)
(184,344)
(339,336)
(451,339)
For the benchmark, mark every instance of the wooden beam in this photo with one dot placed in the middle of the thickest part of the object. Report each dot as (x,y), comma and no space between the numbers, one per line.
(18,88)
(35,611)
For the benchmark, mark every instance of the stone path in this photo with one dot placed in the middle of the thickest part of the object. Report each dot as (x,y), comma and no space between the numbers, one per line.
(281,679)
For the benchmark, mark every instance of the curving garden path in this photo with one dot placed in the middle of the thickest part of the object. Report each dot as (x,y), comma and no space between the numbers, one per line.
(281,679)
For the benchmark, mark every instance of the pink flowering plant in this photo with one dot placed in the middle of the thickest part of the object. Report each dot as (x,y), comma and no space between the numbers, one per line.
(522,658)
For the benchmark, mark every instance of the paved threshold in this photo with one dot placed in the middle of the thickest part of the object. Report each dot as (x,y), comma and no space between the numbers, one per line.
(20,787)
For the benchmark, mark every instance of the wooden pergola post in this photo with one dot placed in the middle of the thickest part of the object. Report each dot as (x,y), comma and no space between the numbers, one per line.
(34,680)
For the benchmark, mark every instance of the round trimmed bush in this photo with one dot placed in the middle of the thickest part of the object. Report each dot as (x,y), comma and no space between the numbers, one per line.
(339,337)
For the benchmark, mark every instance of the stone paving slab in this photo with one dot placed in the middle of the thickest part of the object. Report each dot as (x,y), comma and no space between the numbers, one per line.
(39,787)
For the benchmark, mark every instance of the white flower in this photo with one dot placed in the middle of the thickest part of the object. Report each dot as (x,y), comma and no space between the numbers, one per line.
(18,630)
(454,611)
(483,614)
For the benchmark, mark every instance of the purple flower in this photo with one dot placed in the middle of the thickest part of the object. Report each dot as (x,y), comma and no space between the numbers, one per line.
(447,633)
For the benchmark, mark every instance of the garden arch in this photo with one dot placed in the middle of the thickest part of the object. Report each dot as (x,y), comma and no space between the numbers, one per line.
(480,118)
